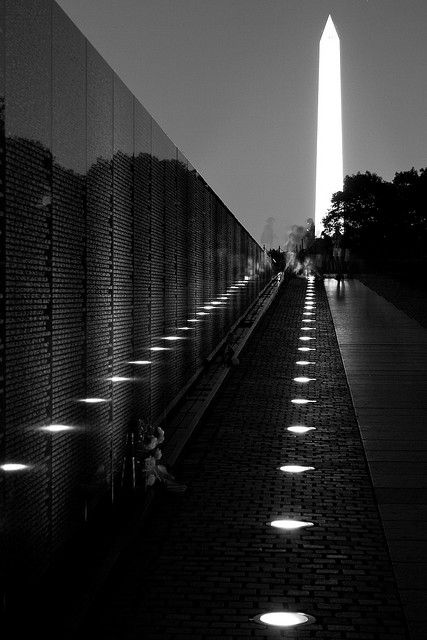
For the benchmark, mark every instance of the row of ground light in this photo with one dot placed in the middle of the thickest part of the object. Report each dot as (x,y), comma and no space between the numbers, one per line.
(286,619)
(218,305)
(207,562)
(365,585)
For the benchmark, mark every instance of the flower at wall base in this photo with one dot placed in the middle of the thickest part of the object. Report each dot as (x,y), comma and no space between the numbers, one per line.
(152,444)
(161,436)
(151,479)
(158,454)
(150,465)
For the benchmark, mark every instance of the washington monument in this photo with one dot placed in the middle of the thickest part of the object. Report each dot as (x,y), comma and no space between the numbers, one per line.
(329,165)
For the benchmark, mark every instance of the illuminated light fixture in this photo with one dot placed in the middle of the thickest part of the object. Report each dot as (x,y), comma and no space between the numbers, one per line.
(301,401)
(247,278)
(208,307)
(308,328)
(329,164)
(308,313)
(234,286)
(202,313)
(224,298)
(305,338)
(94,400)
(118,379)
(300,429)
(184,328)
(308,320)
(303,379)
(284,619)
(306,348)
(193,320)
(56,428)
(290,525)
(295,468)
(159,349)
(215,302)
(173,338)
(304,362)
(13,466)
(140,362)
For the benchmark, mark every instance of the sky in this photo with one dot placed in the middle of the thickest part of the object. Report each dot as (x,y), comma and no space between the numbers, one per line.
(234,84)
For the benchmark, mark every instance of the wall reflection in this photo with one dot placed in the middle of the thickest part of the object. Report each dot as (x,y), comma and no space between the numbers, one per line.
(110,240)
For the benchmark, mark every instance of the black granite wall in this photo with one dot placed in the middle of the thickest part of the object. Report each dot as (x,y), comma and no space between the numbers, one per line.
(110,241)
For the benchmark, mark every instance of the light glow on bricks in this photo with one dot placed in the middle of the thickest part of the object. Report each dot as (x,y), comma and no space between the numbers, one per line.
(56,428)
(304,362)
(159,349)
(306,348)
(94,400)
(284,619)
(303,379)
(301,401)
(290,525)
(139,362)
(300,429)
(119,379)
(295,468)
(306,338)
(13,466)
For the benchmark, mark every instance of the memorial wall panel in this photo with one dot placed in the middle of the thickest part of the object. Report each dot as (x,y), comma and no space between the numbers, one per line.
(122,382)
(2,264)
(110,242)
(142,260)
(183,362)
(158,258)
(28,279)
(192,239)
(99,269)
(67,449)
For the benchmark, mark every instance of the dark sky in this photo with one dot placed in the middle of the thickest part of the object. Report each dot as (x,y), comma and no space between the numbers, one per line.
(234,84)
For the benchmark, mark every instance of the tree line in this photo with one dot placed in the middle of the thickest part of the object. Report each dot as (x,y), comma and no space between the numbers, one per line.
(381,218)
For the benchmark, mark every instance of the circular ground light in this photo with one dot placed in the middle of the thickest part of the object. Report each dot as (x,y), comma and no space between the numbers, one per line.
(284,619)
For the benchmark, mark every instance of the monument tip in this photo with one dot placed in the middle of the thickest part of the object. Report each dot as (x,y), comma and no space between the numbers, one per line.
(329,30)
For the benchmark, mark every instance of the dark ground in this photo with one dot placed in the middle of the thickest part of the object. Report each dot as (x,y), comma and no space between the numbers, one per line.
(206,561)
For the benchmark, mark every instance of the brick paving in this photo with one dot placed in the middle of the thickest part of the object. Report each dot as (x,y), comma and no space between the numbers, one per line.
(206,562)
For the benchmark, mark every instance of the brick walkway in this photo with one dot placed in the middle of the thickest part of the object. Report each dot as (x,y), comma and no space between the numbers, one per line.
(207,561)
